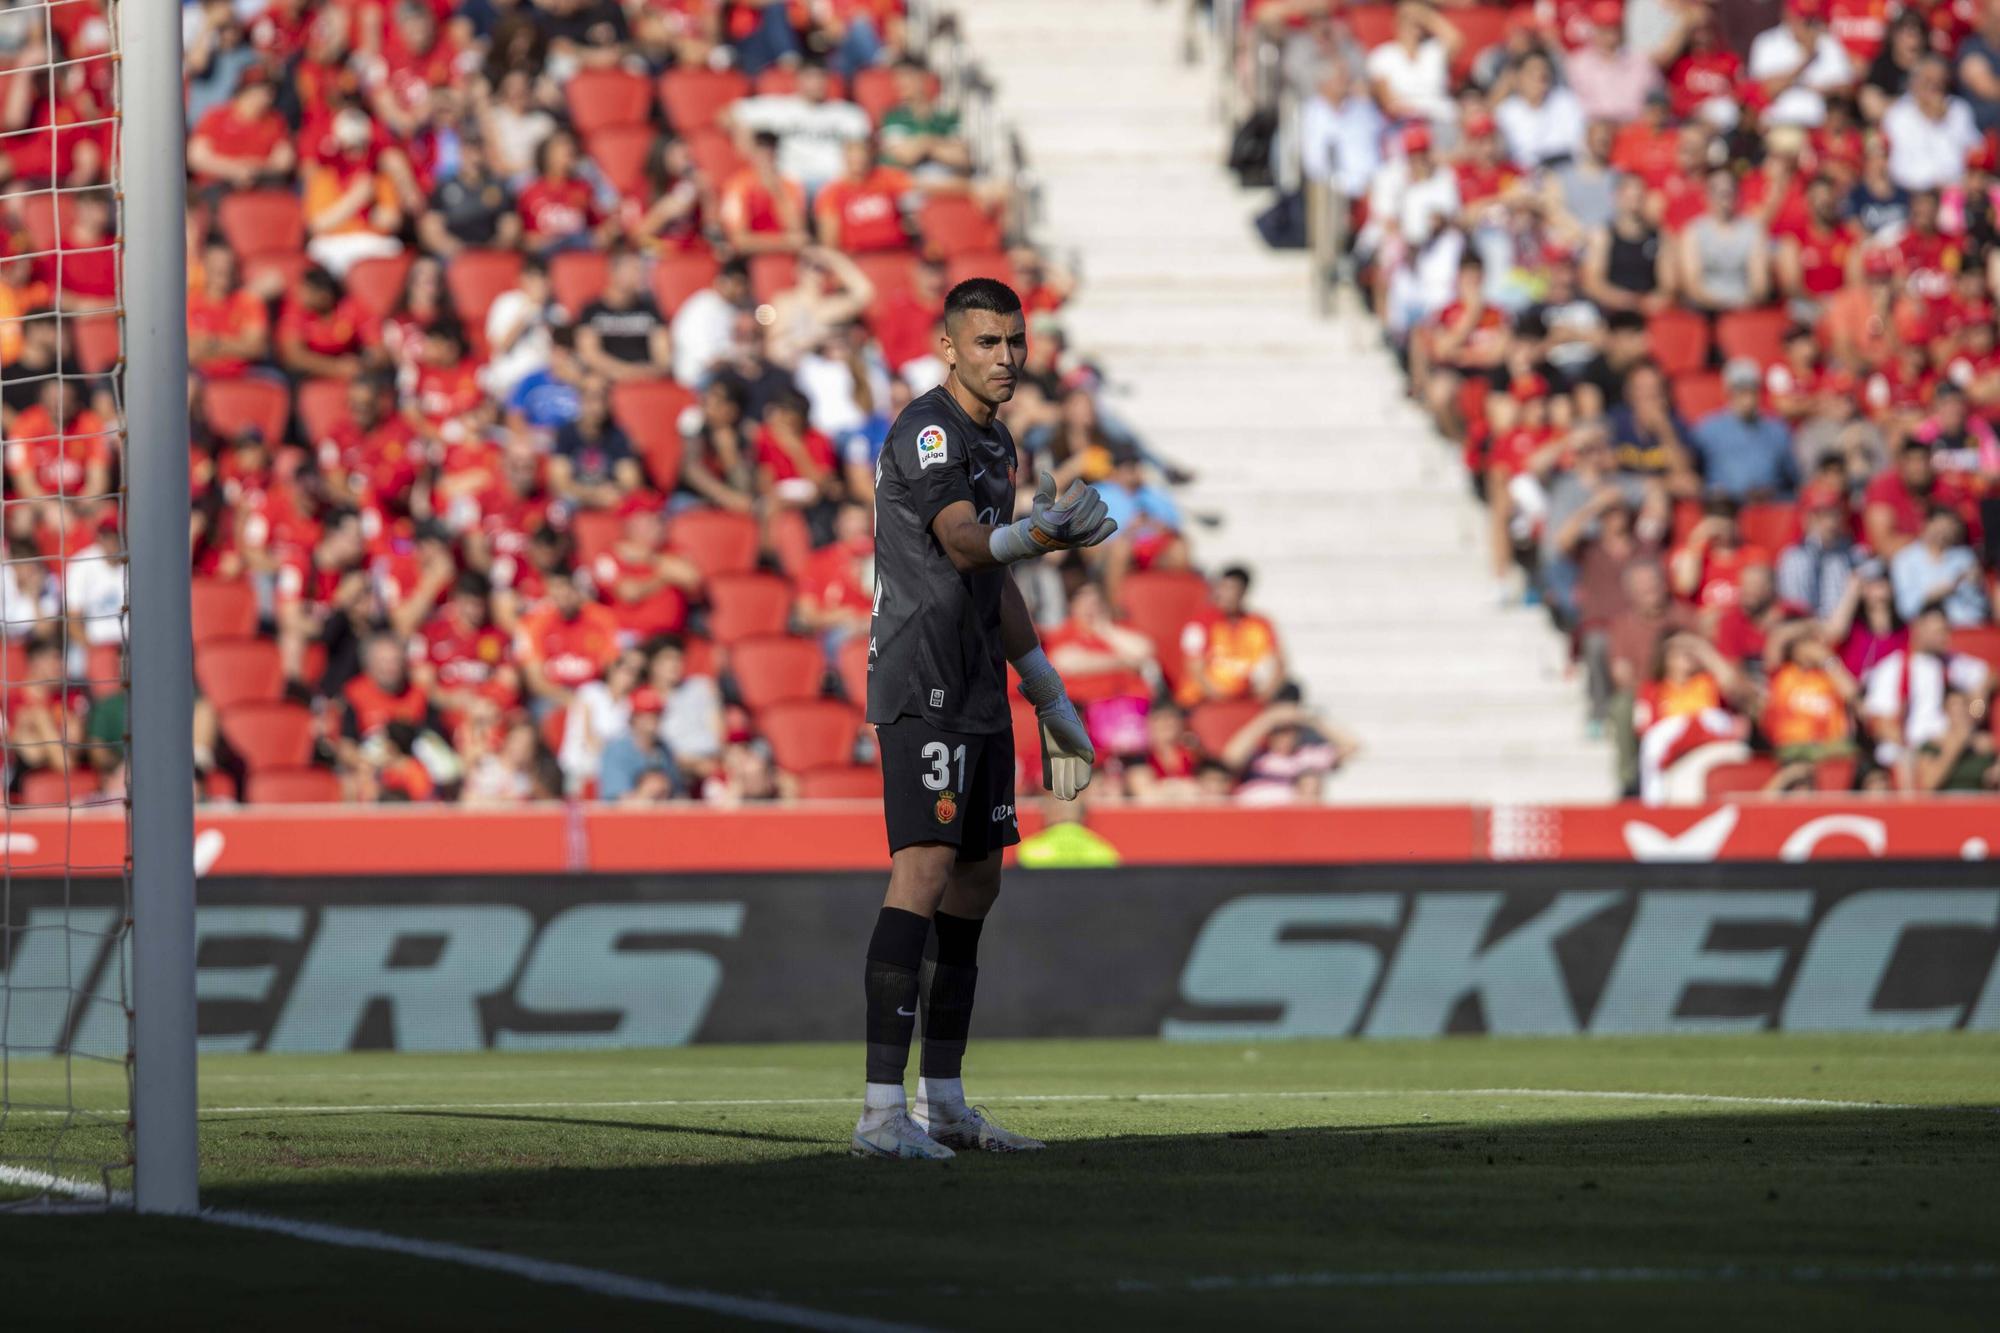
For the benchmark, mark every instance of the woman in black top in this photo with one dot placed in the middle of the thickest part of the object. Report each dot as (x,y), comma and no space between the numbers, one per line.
(1625,266)
(1889,76)
(718,466)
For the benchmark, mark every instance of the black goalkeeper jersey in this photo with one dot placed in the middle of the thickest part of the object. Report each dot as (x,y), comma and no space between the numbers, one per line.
(934,648)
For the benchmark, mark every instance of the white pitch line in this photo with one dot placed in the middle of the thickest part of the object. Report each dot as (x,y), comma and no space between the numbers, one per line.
(1578,1094)
(1510,1277)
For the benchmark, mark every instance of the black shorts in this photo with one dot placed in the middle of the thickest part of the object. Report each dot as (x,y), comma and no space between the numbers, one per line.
(948,786)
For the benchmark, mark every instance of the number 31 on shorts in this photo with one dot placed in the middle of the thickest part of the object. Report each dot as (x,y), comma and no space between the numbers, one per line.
(941,759)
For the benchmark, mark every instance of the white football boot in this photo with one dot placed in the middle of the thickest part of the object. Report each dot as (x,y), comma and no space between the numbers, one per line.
(969,1130)
(896,1135)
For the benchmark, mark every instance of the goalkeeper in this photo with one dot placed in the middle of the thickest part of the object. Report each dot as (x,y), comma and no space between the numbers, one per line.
(948,619)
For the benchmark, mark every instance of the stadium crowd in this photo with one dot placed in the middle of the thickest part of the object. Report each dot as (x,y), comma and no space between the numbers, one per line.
(540,353)
(1706,289)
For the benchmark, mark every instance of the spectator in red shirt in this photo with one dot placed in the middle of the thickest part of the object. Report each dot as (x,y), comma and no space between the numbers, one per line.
(861,211)
(44,714)
(563,643)
(323,334)
(558,207)
(1811,259)
(228,328)
(906,324)
(313,589)
(241,144)
(836,597)
(384,692)
(762,212)
(59,447)
(1169,770)
(1899,500)
(84,270)
(369,457)
(1111,670)
(646,586)
(796,465)
(460,656)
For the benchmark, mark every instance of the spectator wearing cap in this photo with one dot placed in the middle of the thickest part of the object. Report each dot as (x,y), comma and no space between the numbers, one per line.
(1744,452)
(646,585)
(1797,64)
(1412,201)
(1542,123)
(1814,572)
(1940,569)
(636,767)
(1410,74)
(1725,256)
(1930,132)
(811,124)
(1611,79)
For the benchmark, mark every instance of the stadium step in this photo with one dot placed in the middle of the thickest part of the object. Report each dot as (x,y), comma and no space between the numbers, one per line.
(1369,551)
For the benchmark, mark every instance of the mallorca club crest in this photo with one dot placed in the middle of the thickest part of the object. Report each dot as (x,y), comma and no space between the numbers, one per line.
(947,807)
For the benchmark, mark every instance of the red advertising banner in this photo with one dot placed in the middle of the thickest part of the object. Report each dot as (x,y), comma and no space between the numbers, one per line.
(370,840)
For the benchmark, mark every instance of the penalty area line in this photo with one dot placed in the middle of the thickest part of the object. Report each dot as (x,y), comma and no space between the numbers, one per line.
(547,1272)
(1793,1274)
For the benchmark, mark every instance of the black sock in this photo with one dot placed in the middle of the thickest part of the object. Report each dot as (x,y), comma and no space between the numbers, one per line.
(951,979)
(894,954)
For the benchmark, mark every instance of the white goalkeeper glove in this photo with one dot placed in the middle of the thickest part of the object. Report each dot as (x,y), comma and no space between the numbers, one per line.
(1078,518)
(1067,753)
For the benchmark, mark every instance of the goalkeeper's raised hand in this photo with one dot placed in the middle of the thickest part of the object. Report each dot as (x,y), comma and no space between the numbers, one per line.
(1078,518)
(1067,753)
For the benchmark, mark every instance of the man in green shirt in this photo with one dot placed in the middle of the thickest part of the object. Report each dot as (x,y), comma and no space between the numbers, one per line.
(919,135)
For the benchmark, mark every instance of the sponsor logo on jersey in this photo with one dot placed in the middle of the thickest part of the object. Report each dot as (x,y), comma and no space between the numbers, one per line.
(947,807)
(930,446)
(937,698)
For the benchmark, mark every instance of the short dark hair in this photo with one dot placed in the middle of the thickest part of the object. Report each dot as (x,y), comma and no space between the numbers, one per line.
(472,583)
(1238,572)
(988,294)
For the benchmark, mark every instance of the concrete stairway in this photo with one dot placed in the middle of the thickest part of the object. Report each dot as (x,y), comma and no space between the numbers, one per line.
(1354,515)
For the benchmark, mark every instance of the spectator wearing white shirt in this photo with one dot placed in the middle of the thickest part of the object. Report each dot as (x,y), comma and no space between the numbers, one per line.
(1542,124)
(93,587)
(813,128)
(1340,134)
(1410,74)
(704,328)
(1904,705)
(1930,132)
(1798,63)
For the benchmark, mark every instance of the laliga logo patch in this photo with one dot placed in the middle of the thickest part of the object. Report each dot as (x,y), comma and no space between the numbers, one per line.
(947,808)
(930,446)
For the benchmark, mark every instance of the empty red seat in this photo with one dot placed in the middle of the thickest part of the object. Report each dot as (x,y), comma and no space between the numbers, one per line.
(979,264)
(775,669)
(104,668)
(322,408)
(293,786)
(621,152)
(1213,723)
(1480,27)
(1679,341)
(717,541)
(377,284)
(275,270)
(1771,526)
(852,665)
(814,733)
(232,406)
(777,80)
(97,343)
(1372,25)
(695,98)
(477,278)
(1835,775)
(1981,641)
(270,735)
(224,609)
(771,274)
(235,671)
(791,542)
(1698,394)
(715,156)
(52,787)
(577,278)
(256,222)
(1745,777)
(649,412)
(678,275)
(874,90)
(1159,604)
(744,605)
(846,782)
(890,271)
(1757,334)
(601,97)
(954,225)
(596,531)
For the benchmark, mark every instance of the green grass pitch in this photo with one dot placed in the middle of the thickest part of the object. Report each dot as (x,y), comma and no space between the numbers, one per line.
(1856,1184)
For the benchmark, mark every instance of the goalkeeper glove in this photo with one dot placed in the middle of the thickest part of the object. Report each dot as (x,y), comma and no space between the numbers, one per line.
(1066,749)
(1079,518)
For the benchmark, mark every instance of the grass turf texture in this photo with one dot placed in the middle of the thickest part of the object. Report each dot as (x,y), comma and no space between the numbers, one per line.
(1136,1205)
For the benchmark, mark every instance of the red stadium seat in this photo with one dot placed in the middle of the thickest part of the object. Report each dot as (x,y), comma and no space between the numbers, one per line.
(695,98)
(1687,513)
(717,541)
(577,278)
(701,657)
(814,733)
(852,666)
(231,406)
(678,275)
(1757,334)
(236,671)
(1771,526)
(223,609)
(97,343)
(846,782)
(778,80)
(1680,341)
(1480,27)
(1215,722)
(477,278)
(742,606)
(715,156)
(278,270)
(771,274)
(621,151)
(892,272)
(982,264)
(46,219)
(596,531)
(377,284)
(259,222)
(1159,604)
(1372,25)
(53,787)
(269,735)
(776,669)
(104,669)
(1834,775)
(1698,394)
(875,91)
(1982,641)
(649,411)
(791,542)
(322,408)
(1746,777)
(603,97)
(953,225)
(293,786)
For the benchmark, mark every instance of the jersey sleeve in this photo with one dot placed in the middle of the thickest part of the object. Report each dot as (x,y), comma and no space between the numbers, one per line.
(934,462)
